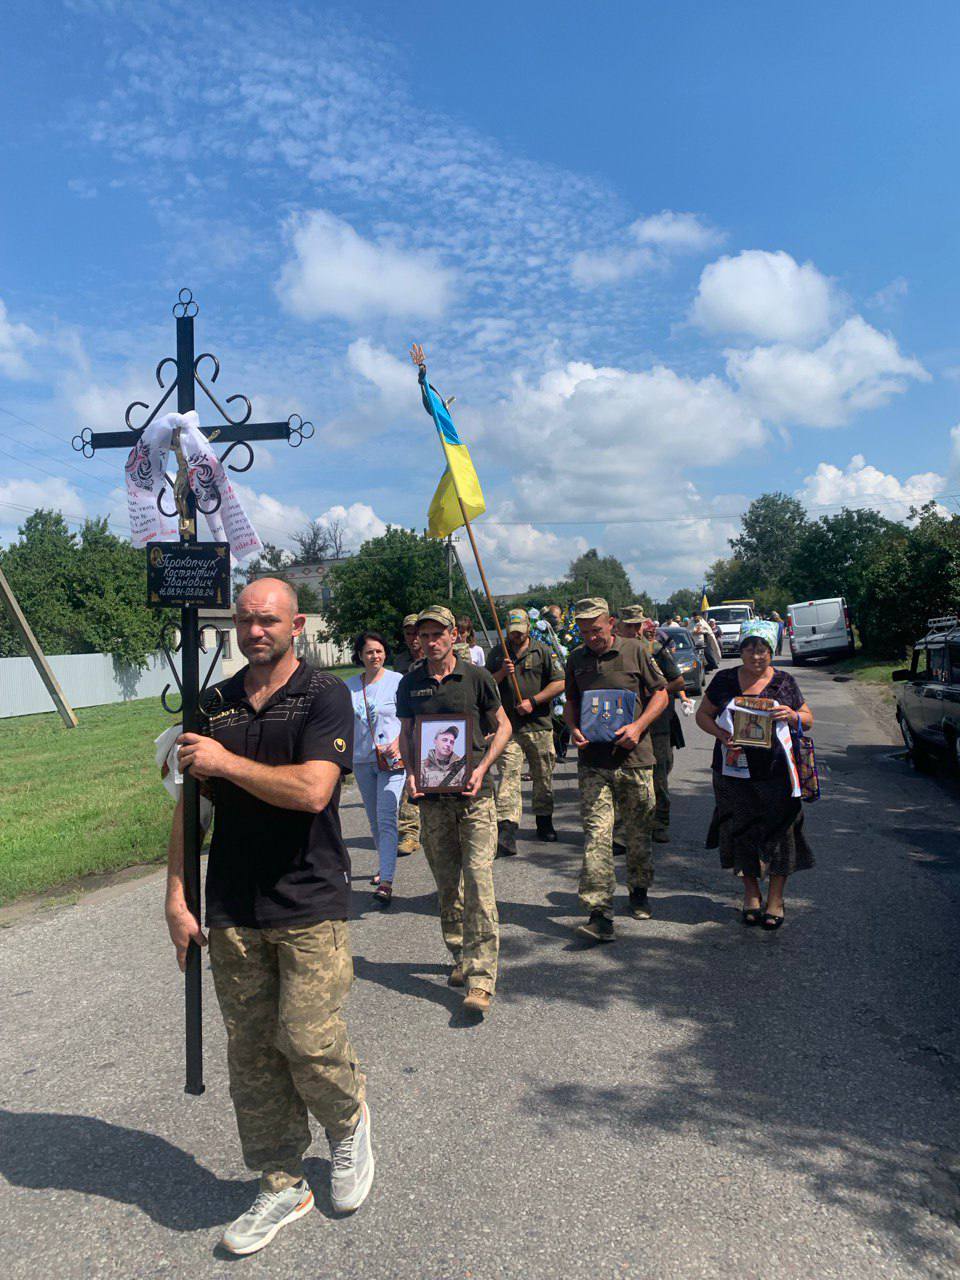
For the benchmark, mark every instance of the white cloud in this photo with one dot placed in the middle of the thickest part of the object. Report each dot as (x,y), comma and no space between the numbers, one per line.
(18,498)
(856,368)
(767,296)
(359,523)
(516,555)
(861,485)
(15,340)
(397,379)
(886,299)
(336,272)
(649,243)
(676,232)
(275,521)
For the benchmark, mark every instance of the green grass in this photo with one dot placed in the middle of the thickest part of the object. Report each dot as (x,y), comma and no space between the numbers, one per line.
(868,668)
(78,801)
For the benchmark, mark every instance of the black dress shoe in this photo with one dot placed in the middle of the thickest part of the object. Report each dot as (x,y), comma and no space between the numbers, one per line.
(506,839)
(545,829)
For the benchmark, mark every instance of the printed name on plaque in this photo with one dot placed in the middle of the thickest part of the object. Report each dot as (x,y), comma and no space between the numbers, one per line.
(181,575)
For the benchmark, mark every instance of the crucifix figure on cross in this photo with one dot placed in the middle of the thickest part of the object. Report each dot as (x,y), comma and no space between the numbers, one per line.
(189,494)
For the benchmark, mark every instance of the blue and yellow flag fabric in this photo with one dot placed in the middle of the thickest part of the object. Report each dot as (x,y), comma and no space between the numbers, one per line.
(459,482)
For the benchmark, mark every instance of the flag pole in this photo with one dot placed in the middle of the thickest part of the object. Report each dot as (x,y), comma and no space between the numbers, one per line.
(416,354)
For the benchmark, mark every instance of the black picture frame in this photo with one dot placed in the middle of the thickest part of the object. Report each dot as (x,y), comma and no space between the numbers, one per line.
(427,730)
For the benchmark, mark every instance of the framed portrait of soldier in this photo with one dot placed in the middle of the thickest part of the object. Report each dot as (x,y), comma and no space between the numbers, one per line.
(444,753)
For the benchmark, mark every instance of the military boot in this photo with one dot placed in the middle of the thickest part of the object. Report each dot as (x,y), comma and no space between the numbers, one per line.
(506,839)
(545,829)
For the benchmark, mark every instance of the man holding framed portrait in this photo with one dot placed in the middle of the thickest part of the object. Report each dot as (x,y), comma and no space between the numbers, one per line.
(614,695)
(444,705)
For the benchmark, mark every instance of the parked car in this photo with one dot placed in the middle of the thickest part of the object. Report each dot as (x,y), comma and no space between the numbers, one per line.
(928,702)
(728,618)
(680,643)
(819,629)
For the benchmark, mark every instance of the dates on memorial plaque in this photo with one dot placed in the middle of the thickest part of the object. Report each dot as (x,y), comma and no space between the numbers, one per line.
(192,574)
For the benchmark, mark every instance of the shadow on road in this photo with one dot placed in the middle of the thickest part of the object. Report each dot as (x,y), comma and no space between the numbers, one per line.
(49,1150)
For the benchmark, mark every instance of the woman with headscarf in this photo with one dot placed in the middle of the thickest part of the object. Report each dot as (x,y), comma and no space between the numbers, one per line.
(758,820)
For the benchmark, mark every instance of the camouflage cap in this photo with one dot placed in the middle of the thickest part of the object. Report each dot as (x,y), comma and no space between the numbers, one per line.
(633,613)
(437,613)
(590,607)
(452,729)
(410,620)
(462,651)
(517,620)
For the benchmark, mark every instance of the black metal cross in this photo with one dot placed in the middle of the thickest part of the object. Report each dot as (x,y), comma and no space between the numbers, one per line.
(234,432)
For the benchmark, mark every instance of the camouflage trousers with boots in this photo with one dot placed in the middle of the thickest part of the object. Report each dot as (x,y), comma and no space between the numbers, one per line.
(624,797)
(408,826)
(459,837)
(281,993)
(537,747)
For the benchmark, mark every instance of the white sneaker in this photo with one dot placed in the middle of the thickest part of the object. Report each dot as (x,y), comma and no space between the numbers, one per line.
(270,1211)
(351,1166)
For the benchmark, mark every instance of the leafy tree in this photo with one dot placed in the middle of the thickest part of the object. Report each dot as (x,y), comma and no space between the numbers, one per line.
(594,575)
(273,562)
(393,575)
(729,580)
(914,574)
(685,602)
(80,594)
(314,543)
(770,531)
(834,553)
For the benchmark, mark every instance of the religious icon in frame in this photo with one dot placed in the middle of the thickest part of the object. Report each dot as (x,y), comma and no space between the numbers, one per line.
(752,722)
(443,748)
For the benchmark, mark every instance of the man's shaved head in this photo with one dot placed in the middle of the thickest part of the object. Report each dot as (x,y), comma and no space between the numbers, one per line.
(268,618)
(261,587)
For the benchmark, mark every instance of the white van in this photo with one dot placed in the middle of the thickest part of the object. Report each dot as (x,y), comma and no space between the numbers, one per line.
(728,618)
(819,628)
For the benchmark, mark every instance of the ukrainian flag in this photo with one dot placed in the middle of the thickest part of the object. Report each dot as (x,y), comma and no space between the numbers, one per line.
(459,483)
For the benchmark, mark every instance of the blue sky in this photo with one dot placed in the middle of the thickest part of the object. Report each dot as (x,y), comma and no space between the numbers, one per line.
(666,257)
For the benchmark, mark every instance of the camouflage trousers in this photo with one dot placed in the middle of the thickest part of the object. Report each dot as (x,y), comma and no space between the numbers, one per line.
(281,993)
(460,839)
(408,823)
(605,796)
(536,746)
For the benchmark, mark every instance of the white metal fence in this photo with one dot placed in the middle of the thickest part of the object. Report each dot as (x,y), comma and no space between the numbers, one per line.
(87,680)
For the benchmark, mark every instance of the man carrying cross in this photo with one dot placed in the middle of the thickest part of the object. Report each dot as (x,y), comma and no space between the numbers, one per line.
(277,898)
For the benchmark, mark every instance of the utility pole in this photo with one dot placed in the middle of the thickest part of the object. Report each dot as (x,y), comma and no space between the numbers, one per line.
(44,670)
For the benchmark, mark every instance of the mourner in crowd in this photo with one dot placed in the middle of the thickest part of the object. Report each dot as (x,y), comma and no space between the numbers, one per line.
(614,694)
(408,826)
(277,902)
(377,764)
(538,674)
(458,831)
(758,820)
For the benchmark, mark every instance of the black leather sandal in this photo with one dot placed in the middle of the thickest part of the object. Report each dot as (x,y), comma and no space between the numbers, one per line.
(751,915)
(770,921)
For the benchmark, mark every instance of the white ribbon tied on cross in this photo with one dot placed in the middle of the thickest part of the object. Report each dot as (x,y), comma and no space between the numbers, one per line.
(145,475)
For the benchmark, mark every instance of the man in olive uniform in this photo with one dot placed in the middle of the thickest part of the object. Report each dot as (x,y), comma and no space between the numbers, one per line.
(615,769)
(540,676)
(408,819)
(459,832)
(630,621)
(442,767)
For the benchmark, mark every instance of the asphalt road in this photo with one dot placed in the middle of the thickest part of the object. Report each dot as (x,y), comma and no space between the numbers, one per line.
(696,1100)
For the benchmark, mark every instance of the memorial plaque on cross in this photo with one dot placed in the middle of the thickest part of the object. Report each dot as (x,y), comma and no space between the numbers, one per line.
(189,574)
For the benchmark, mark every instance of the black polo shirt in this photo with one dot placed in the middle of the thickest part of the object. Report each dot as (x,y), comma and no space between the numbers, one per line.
(538,667)
(271,867)
(467,690)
